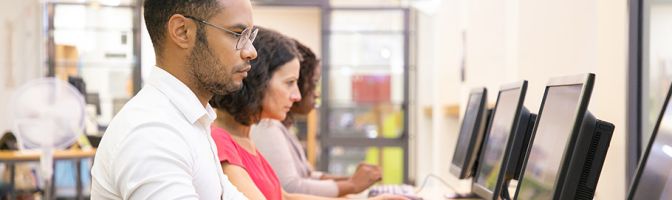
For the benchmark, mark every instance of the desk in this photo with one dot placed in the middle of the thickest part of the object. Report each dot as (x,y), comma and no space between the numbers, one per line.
(439,191)
(436,189)
(13,157)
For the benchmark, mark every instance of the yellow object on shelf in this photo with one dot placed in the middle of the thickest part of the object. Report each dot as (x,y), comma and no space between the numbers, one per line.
(453,110)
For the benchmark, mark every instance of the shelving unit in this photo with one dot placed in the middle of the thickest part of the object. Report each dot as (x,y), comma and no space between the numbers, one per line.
(364,108)
(101,44)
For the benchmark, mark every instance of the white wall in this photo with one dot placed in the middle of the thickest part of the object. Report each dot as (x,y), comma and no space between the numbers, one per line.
(301,23)
(439,57)
(22,53)
(490,48)
(571,37)
(511,40)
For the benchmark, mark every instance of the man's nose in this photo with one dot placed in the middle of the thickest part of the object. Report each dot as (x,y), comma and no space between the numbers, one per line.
(248,53)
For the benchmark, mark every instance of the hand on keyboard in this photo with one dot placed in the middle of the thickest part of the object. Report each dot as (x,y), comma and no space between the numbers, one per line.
(365,176)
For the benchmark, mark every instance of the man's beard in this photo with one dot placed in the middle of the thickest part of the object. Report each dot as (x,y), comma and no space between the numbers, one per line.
(210,74)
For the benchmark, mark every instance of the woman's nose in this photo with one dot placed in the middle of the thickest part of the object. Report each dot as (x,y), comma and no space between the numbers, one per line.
(295,97)
(316,94)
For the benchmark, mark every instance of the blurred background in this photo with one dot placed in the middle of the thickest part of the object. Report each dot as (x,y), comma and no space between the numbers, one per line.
(396,73)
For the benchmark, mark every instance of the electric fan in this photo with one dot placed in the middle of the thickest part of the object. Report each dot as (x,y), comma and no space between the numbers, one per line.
(47,114)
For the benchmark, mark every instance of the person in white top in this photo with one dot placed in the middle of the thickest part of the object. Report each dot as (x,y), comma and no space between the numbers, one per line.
(286,155)
(159,146)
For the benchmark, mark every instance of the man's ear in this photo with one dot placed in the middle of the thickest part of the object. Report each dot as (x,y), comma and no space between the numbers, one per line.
(181,31)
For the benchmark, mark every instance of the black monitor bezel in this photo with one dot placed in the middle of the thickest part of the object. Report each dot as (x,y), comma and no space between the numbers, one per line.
(645,157)
(466,170)
(586,81)
(481,190)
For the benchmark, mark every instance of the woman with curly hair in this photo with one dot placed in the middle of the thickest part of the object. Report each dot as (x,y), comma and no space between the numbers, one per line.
(285,153)
(268,92)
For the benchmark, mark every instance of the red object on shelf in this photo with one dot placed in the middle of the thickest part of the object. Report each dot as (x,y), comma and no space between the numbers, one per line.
(371,88)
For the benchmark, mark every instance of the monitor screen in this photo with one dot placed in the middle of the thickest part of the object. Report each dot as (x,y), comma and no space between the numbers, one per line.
(554,129)
(656,180)
(496,141)
(469,123)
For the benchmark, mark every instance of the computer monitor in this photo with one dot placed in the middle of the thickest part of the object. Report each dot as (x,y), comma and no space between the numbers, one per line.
(471,135)
(653,179)
(506,138)
(566,152)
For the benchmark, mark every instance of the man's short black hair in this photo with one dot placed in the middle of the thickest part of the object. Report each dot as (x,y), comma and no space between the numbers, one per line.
(158,12)
(245,105)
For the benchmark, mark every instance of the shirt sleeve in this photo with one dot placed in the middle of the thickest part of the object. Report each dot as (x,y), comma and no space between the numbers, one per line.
(316,174)
(157,165)
(271,142)
(226,148)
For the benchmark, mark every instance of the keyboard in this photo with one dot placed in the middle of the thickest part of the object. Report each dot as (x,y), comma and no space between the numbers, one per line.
(403,190)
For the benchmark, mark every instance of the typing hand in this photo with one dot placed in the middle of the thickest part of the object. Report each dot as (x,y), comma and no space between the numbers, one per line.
(365,176)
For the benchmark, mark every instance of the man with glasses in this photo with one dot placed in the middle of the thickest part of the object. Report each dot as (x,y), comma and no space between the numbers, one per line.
(159,146)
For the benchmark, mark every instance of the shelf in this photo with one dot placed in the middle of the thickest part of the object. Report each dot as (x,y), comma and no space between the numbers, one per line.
(452,110)
(428,111)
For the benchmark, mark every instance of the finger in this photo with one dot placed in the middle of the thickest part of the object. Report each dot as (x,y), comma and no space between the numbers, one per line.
(373,166)
(396,198)
(361,166)
(376,174)
(378,179)
(373,179)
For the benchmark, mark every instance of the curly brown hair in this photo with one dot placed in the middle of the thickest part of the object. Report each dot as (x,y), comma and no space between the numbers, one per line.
(308,66)
(273,50)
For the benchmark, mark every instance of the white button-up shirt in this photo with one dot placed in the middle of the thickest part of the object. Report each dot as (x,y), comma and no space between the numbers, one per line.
(159,147)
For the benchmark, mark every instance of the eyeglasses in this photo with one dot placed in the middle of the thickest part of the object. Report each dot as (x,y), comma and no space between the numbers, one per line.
(248,35)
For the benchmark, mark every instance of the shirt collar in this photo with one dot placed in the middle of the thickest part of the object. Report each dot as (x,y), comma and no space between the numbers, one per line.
(181,96)
(271,122)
